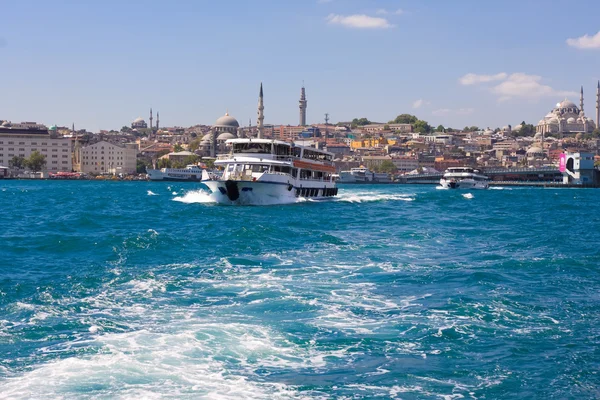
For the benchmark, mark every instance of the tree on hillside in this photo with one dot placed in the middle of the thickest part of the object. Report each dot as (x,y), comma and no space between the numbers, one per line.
(422,126)
(387,166)
(17,162)
(404,119)
(141,166)
(177,148)
(440,128)
(164,163)
(125,129)
(526,130)
(360,122)
(36,161)
(470,129)
(194,145)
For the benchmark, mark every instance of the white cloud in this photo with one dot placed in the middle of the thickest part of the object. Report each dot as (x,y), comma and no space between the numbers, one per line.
(420,103)
(359,21)
(526,86)
(383,11)
(447,111)
(472,79)
(586,42)
(515,85)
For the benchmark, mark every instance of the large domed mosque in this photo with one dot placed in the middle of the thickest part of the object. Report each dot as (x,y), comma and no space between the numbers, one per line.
(567,118)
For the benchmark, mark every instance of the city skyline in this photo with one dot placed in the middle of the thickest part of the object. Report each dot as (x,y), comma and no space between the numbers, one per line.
(102,65)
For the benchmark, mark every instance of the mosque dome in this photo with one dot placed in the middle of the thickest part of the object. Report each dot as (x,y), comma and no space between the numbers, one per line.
(517,127)
(227,121)
(225,136)
(6,124)
(566,104)
(53,128)
(488,132)
(138,119)
(505,128)
(535,150)
(206,137)
(571,120)
(537,136)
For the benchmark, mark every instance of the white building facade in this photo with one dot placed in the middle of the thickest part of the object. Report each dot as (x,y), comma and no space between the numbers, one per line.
(104,157)
(21,142)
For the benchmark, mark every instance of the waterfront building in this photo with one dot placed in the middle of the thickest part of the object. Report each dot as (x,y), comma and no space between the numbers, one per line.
(303,105)
(579,168)
(376,128)
(20,140)
(139,123)
(105,157)
(288,133)
(566,118)
(405,164)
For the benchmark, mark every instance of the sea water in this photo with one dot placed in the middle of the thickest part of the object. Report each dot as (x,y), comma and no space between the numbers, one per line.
(150,290)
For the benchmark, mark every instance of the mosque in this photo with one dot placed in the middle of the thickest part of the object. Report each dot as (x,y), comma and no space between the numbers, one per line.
(227,127)
(566,118)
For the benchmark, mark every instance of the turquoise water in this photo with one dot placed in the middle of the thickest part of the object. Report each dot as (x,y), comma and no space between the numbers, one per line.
(147,290)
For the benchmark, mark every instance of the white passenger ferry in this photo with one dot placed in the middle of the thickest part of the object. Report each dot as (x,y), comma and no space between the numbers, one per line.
(265,171)
(464,178)
(189,173)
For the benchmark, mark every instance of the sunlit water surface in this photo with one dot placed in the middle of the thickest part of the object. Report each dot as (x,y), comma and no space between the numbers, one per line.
(150,290)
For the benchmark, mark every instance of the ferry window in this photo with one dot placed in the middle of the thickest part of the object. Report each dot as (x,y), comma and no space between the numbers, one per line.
(296,151)
(295,172)
(282,150)
(250,147)
(286,170)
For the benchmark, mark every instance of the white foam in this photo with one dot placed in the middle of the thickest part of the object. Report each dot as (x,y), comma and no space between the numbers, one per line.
(151,193)
(468,196)
(364,197)
(196,196)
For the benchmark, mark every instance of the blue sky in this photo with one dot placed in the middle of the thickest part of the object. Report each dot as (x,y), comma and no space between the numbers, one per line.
(100,64)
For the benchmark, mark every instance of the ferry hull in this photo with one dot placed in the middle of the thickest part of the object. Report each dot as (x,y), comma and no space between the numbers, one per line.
(464,184)
(265,193)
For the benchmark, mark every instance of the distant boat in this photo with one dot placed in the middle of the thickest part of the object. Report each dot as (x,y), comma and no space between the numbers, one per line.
(363,175)
(464,178)
(191,173)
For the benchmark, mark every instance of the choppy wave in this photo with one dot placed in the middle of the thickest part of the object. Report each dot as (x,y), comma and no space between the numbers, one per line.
(384,292)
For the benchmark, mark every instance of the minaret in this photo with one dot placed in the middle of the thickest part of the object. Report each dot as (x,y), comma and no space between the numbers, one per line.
(157,120)
(303,106)
(261,116)
(581,100)
(150,118)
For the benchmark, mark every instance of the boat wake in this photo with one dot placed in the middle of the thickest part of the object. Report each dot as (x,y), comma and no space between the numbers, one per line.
(366,197)
(196,196)
(468,196)
(151,193)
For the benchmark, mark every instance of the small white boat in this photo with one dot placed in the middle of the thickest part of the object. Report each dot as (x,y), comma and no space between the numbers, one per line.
(192,173)
(464,178)
(266,171)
